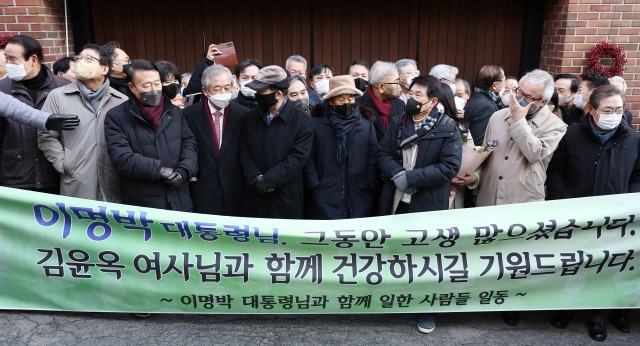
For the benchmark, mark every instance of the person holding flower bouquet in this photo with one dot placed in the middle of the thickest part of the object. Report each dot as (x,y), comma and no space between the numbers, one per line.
(419,155)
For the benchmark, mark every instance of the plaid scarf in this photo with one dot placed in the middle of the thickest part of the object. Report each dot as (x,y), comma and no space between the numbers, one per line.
(491,95)
(420,129)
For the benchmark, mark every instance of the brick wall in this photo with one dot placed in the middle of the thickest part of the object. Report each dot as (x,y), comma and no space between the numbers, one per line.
(573,27)
(40,19)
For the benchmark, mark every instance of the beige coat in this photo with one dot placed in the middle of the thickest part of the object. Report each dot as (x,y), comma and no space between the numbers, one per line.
(517,169)
(81,155)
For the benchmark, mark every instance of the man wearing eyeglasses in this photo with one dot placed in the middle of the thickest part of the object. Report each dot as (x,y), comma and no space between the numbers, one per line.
(528,134)
(23,164)
(446,74)
(408,70)
(382,95)
(80,156)
(598,156)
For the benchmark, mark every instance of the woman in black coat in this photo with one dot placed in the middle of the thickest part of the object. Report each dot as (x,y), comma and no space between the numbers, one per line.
(341,173)
(420,153)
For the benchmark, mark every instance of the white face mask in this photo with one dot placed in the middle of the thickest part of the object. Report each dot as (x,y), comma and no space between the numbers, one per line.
(221,100)
(409,80)
(16,72)
(563,100)
(609,122)
(501,92)
(505,99)
(453,88)
(440,108)
(234,92)
(577,101)
(322,87)
(247,92)
(460,102)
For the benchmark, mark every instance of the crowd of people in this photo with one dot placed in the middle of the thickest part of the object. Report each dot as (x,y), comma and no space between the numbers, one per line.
(281,142)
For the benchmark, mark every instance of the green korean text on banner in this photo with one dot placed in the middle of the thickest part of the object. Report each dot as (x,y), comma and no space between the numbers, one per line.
(60,253)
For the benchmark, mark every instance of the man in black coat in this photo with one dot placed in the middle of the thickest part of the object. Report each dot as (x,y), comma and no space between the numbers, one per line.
(216,125)
(276,143)
(490,81)
(599,156)
(194,85)
(23,165)
(566,86)
(150,144)
(382,95)
(420,153)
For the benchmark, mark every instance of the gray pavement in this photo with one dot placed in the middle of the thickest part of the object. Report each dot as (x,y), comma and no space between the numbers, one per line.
(71,328)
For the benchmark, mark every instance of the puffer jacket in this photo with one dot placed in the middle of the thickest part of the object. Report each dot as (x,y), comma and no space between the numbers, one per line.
(138,151)
(437,163)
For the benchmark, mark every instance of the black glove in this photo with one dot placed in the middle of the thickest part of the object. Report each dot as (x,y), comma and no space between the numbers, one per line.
(62,122)
(260,185)
(174,181)
(165,173)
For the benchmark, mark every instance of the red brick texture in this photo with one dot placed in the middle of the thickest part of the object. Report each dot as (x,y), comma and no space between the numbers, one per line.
(572,28)
(40,19)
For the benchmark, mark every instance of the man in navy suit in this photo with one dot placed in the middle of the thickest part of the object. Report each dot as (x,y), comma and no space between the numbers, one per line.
(215,122)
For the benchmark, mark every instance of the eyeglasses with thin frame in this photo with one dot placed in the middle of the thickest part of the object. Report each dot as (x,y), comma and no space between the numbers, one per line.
(391,82)
(123,61)
(609,111)
(87,58)
(448,81)
(527,97)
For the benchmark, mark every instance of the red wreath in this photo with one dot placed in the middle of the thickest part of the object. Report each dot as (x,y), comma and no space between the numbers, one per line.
(607,49)
(3,41)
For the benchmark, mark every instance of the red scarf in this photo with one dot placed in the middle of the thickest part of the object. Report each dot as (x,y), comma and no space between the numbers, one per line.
(383,107)
(151,114)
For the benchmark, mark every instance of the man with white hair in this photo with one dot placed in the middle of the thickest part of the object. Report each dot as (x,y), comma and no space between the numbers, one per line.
(620,83)
(527,135)
(446,74)
(382,95)
(216,125)
(296,65)
(408,70)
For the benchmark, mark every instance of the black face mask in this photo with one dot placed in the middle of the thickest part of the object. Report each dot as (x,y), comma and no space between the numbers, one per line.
(266,101)
(151,98)
(171,90)
(346,109)
(413,107)
(361,84)
(301,104)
